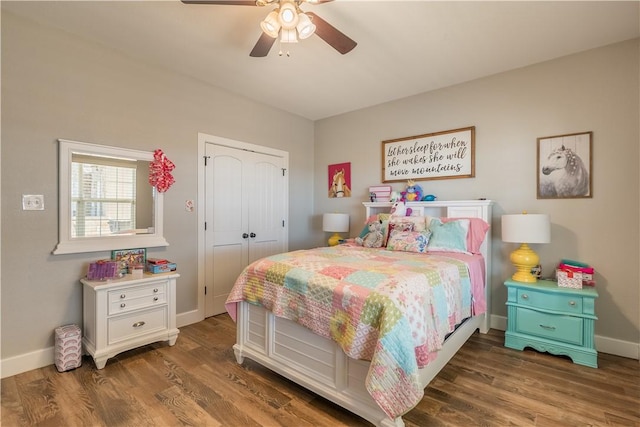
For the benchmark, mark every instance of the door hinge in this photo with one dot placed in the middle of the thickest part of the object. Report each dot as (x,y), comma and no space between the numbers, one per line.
(283,222)
(205,290)
(205,226)
(283,171)
(205,159)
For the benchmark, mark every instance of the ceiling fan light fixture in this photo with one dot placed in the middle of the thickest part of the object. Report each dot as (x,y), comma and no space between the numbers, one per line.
(305,27)
(288,36)
(271,25)
(288,15)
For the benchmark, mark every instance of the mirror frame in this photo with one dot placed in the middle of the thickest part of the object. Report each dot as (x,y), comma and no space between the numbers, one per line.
(68,245)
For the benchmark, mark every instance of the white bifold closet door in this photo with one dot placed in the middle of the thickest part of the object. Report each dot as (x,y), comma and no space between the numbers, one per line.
(246,200)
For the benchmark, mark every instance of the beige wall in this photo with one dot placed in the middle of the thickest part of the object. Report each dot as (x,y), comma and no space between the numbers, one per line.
(54,86)
(591,91)
(57,86)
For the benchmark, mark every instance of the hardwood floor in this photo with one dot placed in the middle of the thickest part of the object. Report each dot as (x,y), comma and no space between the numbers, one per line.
(198,383)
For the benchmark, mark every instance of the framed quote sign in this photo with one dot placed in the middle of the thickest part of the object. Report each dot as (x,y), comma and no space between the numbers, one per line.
(440,155)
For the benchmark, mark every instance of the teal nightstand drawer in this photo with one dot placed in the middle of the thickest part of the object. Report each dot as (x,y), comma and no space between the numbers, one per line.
(543,300)
(559,328)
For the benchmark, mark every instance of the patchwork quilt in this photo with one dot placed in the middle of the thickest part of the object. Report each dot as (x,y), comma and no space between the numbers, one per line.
(392,308)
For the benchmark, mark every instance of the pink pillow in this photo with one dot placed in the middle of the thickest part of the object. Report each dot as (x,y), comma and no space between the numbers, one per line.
(477,231)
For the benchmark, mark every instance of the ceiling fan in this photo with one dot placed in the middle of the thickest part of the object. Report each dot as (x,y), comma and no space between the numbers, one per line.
(290,23)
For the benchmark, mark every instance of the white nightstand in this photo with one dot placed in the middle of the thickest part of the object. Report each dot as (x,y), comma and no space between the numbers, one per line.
(126,313)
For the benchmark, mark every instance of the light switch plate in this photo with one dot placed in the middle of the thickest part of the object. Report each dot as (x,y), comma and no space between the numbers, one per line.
(32,202)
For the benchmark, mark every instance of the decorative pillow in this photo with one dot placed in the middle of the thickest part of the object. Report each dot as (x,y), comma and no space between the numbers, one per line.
(448,236)
(418,222)
(477,231)
(409,241)
(394,227)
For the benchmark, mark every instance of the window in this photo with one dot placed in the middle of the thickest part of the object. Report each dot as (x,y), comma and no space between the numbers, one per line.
(103,196)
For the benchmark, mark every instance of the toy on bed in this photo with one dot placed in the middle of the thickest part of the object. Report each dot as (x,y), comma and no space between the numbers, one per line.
(413,193)
(400,208)
(374,238)
(395,196)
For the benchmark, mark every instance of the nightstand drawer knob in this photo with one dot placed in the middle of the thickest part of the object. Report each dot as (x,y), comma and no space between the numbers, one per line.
(548,328)
(123,305)
(525,296)
(155,298)
(138,324)
(155,290)
(122,296)
(572,303)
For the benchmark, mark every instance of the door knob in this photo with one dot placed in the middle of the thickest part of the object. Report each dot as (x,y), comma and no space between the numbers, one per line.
(253,235)
(245,236)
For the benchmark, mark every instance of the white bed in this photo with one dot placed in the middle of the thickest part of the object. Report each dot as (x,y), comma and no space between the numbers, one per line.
(320,365)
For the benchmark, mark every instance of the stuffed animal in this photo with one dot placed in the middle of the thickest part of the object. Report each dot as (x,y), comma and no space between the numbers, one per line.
(400,208)
(413,193)
(373,239)
(395,196)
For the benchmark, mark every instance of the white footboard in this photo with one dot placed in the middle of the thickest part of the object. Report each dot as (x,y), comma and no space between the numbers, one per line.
(319,364)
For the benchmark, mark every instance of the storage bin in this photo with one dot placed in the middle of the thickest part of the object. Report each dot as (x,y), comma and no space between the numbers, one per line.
(569,279)
(68,349)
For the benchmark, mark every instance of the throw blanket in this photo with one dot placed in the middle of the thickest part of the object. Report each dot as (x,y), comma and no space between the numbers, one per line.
(392,308)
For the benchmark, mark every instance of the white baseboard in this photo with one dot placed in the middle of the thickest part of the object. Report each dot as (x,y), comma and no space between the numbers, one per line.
(39,358)
(26,362)
(188,318)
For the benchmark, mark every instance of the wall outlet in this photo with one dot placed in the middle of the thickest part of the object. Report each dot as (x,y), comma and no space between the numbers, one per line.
(32,202)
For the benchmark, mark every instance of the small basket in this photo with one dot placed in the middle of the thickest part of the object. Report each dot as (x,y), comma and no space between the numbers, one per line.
(569,279)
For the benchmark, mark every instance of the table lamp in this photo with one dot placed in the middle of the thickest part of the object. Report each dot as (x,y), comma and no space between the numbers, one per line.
(525,228)
(335,223)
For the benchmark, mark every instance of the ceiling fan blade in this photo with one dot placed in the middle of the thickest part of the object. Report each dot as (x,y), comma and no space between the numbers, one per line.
(230,2)
(330,34)
(263,46)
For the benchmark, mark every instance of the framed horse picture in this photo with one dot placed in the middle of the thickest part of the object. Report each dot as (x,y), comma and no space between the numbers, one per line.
(564,166)
(340,180)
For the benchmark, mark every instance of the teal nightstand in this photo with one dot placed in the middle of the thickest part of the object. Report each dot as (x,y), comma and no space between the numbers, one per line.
(549,318)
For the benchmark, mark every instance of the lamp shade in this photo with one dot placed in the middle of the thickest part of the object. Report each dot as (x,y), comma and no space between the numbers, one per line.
(526,228)
(335,222)
(271,25)
(288,16)
(305,27)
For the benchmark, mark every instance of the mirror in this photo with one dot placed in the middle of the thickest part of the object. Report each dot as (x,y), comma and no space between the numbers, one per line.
(105,199)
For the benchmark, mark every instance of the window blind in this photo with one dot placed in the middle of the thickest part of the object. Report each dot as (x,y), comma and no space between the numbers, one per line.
(103,196)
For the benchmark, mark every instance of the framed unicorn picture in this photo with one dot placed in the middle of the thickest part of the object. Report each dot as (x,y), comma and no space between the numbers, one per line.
(564,166)
(340,180)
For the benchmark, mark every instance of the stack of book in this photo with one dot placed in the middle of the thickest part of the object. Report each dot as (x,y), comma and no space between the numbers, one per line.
(159,265)
(380,193)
